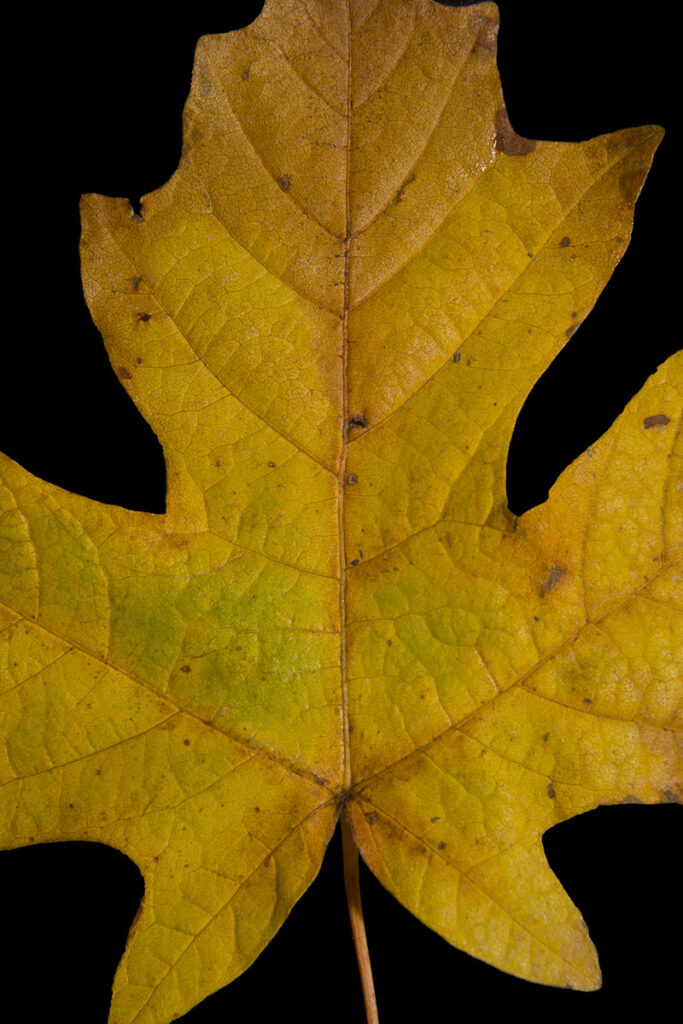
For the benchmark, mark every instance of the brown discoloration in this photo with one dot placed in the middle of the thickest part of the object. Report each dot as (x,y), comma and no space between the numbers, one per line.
(245,75)
(587,700)
(358,420)
(144,317)
(442,845)
(186,743)
(564,242)
(556,574)
(351,479)
(456,356)
(630,184)
(355,561)
(435,819)
(372,817)
(631,799)
(271,464)
(659,420)
(545,737)
(672,796)
(551,791)
(185,668)
(124,374)
(507,140)
(486,32)
(139,360)
(571,330)
(285,182)
(135,284)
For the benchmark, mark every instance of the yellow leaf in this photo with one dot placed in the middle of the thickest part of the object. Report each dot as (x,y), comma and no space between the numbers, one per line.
(331,316)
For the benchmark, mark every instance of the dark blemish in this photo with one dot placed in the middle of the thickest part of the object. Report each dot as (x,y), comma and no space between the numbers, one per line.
(98,771)
(135,283)
(218,463)
(285,182)
(372,817)
(507,140)
(71,806)
(186,743)
(670,796)
(442,845)
(123,373)
(437,818)
(31,839)
(355,561)
(144,317)
(551,791)
(245,75)
(555,575)
(358,420)
(155,859)
(660,420)
(258,810)
(389,643)
(360,553)
(564,242)
(587,700)
(271,465)
(530,255)
(352,479)
(456,357)
(536,618)
(139,360)
(185,668)
(400,195)
(545,736)
(574,315)
(571,331)
(319,781)
(631,799)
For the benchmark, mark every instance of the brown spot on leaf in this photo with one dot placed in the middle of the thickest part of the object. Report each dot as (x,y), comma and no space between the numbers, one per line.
(671,796)
(124,373)
(631,799)
(564,242)
(507,140)
(185,668)
(587,700)
(355,561)
(571,330)
(358,420)
(352,479)
(659,420)
(437,818)
(135,284)
(372,817)
(442,845)
(551,791)
(555,576)
(388,643)
(456,357)
(186,743)
(545,736)
(245,75)
(285,182)
(271,464)
(144,317)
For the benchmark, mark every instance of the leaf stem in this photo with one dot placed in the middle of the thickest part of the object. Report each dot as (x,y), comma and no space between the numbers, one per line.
(353,900)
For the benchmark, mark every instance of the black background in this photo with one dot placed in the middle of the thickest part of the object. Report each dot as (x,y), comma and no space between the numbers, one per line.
(92,104)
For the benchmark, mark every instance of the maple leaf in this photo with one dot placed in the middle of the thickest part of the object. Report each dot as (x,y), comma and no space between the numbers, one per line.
(227,609)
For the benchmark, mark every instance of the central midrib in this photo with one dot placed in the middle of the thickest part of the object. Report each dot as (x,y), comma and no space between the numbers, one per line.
(346,784)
